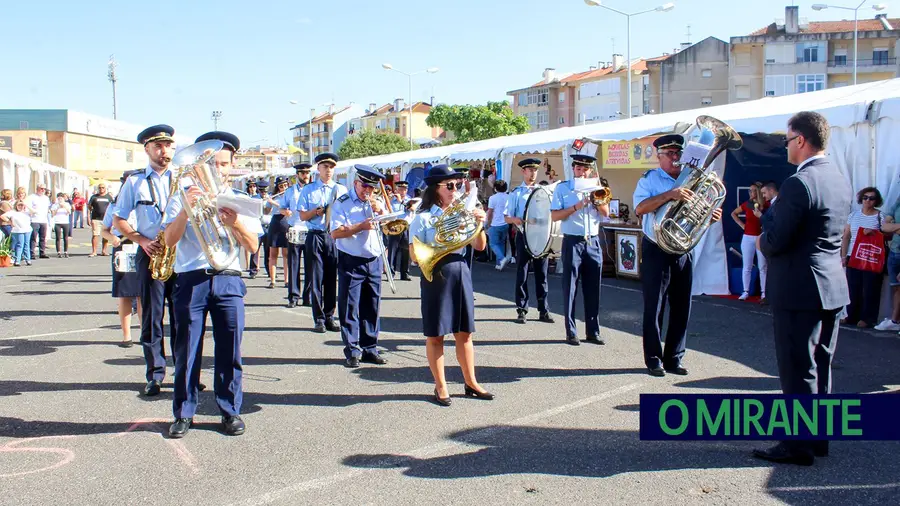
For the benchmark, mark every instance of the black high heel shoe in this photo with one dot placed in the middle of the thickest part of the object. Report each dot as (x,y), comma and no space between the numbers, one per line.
(441,401)
(471,392)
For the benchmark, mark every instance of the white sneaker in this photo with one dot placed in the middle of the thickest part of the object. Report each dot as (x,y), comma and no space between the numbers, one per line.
(512,260)
(503,263)
(888,324)
(744,296)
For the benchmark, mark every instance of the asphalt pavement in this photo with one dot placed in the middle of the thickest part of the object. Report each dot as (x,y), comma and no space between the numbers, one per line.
(74,428)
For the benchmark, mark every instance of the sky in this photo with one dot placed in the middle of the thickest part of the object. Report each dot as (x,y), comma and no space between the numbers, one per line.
(180,60)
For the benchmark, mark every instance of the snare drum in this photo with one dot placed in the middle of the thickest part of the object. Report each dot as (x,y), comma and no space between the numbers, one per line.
(124,261)
(296,234)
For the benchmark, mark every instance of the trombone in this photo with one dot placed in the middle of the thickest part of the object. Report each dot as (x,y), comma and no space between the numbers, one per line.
(377,231)
(599,195)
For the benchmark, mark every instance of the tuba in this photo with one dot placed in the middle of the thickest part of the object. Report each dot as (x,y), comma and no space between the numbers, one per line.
(454,229)
(679,225)
(196,164)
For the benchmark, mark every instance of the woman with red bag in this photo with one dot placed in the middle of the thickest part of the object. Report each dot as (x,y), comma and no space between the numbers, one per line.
(864,254)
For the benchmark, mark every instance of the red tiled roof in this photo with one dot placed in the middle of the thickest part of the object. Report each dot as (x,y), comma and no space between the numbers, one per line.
(640,66)
(833,26)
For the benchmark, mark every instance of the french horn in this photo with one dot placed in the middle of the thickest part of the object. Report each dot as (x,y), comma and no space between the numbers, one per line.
(454,229)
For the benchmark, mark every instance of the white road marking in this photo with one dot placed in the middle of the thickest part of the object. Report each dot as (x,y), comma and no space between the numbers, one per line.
(425,451)
(833,487)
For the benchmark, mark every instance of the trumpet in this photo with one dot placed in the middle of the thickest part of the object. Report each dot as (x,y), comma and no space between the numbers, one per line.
(599,195)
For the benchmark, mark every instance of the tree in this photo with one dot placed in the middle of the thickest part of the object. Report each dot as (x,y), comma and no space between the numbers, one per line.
(373,143)
(477,122)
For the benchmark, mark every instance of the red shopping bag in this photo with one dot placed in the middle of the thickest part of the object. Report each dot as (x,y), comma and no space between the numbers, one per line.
(869,252)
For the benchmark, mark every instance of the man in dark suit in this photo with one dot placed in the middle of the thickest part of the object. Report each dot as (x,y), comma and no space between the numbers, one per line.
(806,283)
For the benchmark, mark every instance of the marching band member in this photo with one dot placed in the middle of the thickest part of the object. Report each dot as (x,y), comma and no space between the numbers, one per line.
(664,276)
(278,233)
(448,305)
(125,285)
(398,245)
(463,172)
(315,198)
(515,212)
(252,259)
(289,209)
(146,192)
(263,187)
(359,267)
(201,290)
(582,255)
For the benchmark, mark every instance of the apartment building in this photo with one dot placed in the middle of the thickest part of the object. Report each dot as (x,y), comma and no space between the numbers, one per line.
(543,102)
(395,117)
(694,76)
(601,93)
(260,158)
(793,55)
(326,132)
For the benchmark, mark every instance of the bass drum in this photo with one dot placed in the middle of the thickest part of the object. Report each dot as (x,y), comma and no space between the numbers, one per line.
(541,234)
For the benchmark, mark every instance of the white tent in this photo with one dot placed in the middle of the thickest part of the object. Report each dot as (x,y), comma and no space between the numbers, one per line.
(17,170)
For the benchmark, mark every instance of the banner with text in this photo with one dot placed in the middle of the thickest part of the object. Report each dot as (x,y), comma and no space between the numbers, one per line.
(636,154)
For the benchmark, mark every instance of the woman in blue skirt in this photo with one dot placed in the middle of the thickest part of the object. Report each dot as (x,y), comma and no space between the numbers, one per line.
(447,301)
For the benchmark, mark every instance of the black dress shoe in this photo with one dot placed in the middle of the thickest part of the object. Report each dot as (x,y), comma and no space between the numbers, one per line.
(595,340)
(352,362)
(152,388)
(252,276)
(680,371)
(201,387)
(441,401)
(781,455)
(657,371)
(546,318)
(331,326)
(373,358)
(405,278)
(306,303)
(178,429)
(820,448)
(292,304)
(572,341)
(319,329)
(233,425)
(521,317)
(471,392)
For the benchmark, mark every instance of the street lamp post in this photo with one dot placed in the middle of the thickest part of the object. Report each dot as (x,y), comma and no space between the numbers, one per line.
(877,7)
(432,70)
(662,8)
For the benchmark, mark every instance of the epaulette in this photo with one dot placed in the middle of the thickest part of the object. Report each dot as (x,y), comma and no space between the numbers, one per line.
(343,198)
(647,173)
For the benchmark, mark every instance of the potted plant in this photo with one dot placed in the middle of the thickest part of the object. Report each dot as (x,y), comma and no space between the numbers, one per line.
(6,252)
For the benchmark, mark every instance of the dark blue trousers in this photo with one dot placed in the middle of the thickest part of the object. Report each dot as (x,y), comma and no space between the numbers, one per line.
(253,268)
(398,253)
(322,259)
(359,293)
(154,296)
(582,260)
(665,278)
(295,258)
(197,295)
(524,263)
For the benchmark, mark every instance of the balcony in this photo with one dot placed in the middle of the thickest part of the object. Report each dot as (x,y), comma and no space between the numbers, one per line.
(874,65)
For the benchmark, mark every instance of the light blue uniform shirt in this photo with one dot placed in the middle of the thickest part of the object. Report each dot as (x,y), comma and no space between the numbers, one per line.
(350,210)
(189,255)
(397,206)
(515,203)
(107,220)
(291,200)
(148,206)
(421,227)
(653,183)
(318,194)
(565,197)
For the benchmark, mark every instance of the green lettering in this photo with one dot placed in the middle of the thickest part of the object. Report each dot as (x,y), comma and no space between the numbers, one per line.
(829,415)
(705,420)
(846,417)
(684,417)
(737,418)
(752,418)
(812,424)
(779,418)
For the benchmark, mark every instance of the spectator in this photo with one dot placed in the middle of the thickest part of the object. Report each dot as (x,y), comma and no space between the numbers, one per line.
(498,230)
(78,203)
(865,286)
(769,192)
(753,210)
(6,205)
(20,217)
(96,210)
(891,224)
(61,211)
(39,204)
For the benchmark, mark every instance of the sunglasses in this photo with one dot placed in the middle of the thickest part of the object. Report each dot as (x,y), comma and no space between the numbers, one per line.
(367,185)
(788,141)
(870,197)
(454,186)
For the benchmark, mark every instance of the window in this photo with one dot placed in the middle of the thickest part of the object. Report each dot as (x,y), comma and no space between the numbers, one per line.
(635,110)
(880,56)
(599,88)
(810,52)
(810,82)
(562,120)
(523,98)
(780,53)
(839,84)
(645,94)
(538,120)
(742,92)
(562,96)
(23,125)
(777,86)
(538,97)
(840,60)
(706,101)
(706,73)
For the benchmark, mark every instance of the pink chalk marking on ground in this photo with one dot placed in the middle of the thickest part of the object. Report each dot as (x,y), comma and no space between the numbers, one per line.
(181,451)
(13,447)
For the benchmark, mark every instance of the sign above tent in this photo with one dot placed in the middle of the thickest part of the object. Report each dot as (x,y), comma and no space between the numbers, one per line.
(637,154)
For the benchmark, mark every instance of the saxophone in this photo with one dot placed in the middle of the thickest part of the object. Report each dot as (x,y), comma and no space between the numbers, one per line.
(162,265)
